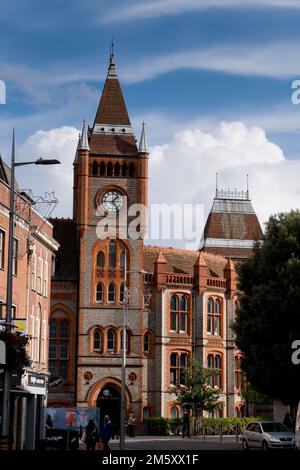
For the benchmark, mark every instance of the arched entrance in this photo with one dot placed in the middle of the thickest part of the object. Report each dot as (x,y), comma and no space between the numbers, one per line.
(109,403)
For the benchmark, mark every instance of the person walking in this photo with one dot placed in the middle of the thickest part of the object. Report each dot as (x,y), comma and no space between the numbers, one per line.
(185,424)
(288,421)
(106,432)
(131,424)
(49,425)
(91,435)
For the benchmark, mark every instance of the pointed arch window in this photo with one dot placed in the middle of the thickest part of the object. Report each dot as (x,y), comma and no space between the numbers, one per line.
(97,340)
(112,255)
(111,293)
(102,169)
(131,170)
(59,345)
(122,292)
(124,169)
(146,343)
(214,361)
(117,169)
(95,168)
(111,341)
(179,314)
(99,292)
(123,260)
(109,169)
(214,317)
(100,259)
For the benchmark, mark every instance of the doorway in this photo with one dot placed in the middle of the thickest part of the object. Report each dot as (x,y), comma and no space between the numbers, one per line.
(109,403)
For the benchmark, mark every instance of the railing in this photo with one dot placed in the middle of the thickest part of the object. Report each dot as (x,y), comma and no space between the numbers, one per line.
(222,194)
(179,279)
(216,282)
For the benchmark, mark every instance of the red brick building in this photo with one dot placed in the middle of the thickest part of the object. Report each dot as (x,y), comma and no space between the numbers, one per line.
(193,293)
(34,248)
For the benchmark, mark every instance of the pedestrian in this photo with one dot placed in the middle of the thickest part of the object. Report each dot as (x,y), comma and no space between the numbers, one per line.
(288,421)
(106,432)
(131,424)
(91,435)
(49,425)
(185,424)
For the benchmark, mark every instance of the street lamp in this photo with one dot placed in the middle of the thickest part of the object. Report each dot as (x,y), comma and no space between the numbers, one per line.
(7,373)
(123,372)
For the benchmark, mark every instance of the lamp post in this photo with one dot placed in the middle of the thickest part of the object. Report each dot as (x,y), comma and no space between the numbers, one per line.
(8,325)
(123,371)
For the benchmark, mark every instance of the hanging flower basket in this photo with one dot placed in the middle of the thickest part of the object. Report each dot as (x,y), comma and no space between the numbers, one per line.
(16,351)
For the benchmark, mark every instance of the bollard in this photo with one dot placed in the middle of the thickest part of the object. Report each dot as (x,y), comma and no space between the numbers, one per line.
(221,432)
(237,432)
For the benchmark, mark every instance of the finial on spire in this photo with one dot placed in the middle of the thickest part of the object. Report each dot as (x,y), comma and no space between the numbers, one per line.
(112,66)
(217,174)
(143,146)
(83,143)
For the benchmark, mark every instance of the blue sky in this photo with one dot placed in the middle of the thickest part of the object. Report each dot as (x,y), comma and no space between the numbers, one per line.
(182,65)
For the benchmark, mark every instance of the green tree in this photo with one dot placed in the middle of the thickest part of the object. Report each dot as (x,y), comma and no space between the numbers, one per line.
(268,318)
(197,394)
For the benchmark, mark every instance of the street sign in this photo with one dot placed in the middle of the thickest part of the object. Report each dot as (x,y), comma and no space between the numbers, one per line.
(55,381)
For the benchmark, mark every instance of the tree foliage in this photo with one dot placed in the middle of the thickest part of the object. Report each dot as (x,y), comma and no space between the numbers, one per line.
(268,318)
(197,393)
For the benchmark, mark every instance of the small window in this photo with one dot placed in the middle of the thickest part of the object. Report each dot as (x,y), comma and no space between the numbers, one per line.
(112,292)
(112,255)
(146,343)
(102,168)
(117,169)
(173,412)
(2,248)
(15,257)
(100,259)
(95,168)
(110,341)
(174,303)
(183,304)
(123,260)
(109,169)
(122,292)
(97,341)
(124,169)
(131,170)
(99,293)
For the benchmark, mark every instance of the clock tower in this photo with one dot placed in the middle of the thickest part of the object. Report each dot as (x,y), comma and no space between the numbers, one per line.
(110,210)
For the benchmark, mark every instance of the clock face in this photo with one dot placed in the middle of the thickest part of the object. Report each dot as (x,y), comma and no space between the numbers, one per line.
(112,201)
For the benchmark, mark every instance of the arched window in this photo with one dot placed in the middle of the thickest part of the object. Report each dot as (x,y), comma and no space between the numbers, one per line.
(97,341)
(123,260)
(99,292)
(111,341)
(109,169)
(117,169)
(127,340)
(122,292)
(174,412)
(146,343)
(214,317)
(179,314)
(59,345)
(174,369)
(111,293)
(102,169)
(214,361)
(183,366)
(124,169)
(131,169)
(112,255)
(95,168)
(146,412)
(238,374)
(100,259)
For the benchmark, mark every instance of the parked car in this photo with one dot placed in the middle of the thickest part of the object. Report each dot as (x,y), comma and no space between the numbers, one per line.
(267,435)
(297,429)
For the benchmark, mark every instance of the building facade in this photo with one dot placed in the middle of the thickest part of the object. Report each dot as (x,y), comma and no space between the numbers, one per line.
(193,294)
(34,248)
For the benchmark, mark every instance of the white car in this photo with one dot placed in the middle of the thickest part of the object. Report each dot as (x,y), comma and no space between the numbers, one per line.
(297,429)
(267,435)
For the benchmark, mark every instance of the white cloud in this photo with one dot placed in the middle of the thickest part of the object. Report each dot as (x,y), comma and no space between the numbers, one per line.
(182,170)
(57,143)
(158,8)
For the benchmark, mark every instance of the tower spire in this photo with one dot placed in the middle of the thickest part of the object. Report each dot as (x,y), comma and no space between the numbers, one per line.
(143,146)
(112,66)
(83,143)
